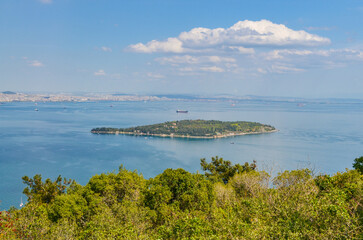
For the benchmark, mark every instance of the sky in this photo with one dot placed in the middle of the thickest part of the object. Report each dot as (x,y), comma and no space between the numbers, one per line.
(311,49)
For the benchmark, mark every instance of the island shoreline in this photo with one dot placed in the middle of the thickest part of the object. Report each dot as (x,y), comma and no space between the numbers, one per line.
(180,136)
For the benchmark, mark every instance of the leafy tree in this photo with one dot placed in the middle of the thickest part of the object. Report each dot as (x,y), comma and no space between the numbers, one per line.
(250,184)
(179,188)
(174,192)
(358,164)
(68,206)
(294,178)
(237,202)
(32,221)
(44,192)
(222,170)
(125,185)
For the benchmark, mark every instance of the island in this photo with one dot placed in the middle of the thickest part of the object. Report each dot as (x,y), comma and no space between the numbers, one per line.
(192,129)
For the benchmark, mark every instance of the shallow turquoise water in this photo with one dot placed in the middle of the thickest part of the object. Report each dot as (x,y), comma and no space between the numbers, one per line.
(57,140)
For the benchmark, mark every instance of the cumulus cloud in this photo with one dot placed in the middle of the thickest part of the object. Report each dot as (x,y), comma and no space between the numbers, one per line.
(319,28)
(155,75)
(297,60)
(116,76)
(242,50)
(337,53)
(106,49)
(173,45)
(35,63)
(265,61)
(261,70)
(217,59)
(279,68)
(212,69)
(186,69)
(100,72)
(280,54)
(242,34)
(188,59)
(178,60)
(251,47)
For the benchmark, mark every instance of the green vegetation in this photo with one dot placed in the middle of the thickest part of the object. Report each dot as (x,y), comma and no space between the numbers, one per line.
(192,128)
(220,170)
(358,164)
(227,202)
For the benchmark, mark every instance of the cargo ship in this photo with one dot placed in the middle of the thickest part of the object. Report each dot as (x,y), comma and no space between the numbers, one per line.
(181,111)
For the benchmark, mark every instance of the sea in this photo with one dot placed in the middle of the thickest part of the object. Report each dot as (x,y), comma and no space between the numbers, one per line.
(54,138)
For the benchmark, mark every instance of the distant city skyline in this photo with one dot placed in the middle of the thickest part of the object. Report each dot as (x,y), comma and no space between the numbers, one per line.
(309,49)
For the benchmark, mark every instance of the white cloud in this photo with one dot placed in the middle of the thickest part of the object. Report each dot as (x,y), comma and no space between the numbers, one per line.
(46,1)
(320,28)
(278,68)
(342,54)
(242,50)
(231,65)
(297,60)
(116,76)
(178,59)
(106,49)
(186,69)
(280,54)
(100,72)
(217,59)
(251,47)
(261,70)
(188,59)
(265,61)
(155,75)
(173,45)
(212,69)
(35,63)
(242,34)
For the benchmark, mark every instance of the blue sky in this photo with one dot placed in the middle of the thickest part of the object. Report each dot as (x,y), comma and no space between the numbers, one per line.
(268,48)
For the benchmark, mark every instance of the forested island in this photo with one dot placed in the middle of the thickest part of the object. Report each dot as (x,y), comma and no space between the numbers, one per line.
(227,201)
(192,129)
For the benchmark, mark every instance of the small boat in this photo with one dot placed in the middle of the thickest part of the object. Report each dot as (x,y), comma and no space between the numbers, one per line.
(21,202)
(36,109)
(181,111)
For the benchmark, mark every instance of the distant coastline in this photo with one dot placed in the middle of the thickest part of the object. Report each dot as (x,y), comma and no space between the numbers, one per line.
(11,96)
(8,96)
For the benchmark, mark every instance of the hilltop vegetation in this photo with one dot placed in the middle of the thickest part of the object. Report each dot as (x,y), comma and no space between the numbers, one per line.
(192,128)
(227,202)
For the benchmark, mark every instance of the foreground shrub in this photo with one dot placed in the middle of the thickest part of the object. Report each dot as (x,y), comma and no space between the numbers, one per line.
(177,204)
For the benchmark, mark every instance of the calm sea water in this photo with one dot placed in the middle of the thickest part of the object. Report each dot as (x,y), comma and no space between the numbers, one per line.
(57,140)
